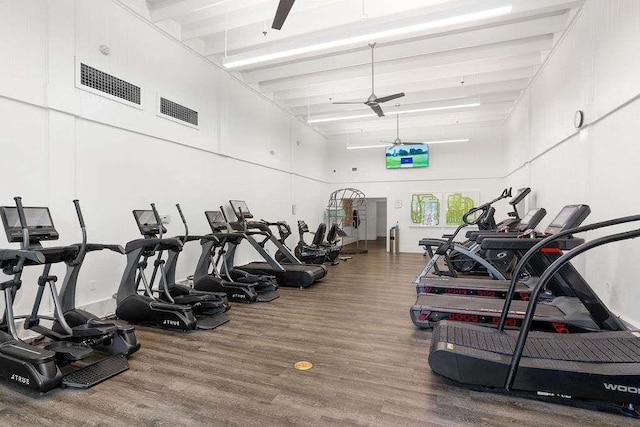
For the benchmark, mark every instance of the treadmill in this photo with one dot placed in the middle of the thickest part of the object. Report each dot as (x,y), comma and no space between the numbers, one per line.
(293,273)
(577,309)
(599,368)
(570,216)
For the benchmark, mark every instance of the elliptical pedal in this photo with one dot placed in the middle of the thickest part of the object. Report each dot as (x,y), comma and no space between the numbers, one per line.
(267,296)
(67,352)
(211,322)
(95,373)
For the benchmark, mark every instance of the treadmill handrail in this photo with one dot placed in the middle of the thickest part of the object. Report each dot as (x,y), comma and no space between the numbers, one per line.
(533,302)
(544,243)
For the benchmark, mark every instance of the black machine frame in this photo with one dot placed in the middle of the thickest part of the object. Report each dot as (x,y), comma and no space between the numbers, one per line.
(599,368)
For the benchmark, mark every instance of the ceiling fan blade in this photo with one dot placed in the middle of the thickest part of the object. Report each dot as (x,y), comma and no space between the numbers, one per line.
(378,110)
(390,97)
(284,7)
(348,102)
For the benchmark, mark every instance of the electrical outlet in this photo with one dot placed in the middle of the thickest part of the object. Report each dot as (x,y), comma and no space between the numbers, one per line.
(93,285)
(166,219)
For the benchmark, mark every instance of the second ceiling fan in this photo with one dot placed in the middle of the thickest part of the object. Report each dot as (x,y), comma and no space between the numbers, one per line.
(373,101)
(398,141)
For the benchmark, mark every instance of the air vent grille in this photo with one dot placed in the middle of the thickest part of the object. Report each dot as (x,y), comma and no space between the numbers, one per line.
(109,84)
(179,112)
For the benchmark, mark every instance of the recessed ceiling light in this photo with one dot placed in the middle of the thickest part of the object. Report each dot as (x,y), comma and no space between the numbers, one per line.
(365,38)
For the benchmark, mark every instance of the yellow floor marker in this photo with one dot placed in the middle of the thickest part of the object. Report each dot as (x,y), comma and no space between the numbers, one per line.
(303,365)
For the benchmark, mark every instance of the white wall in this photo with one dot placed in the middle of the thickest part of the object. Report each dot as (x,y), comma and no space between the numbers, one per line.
(381,218)
(474,166)
(595,69)
(61,143)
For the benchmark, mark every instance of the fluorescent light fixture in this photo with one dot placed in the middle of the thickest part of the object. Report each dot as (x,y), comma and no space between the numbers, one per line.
(448,107)
(446,141)
(417,110)
(336,119)
(365,38)
(442,141)
(358,147)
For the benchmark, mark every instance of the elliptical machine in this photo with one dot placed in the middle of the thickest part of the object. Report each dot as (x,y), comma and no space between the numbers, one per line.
(125,341)
(238,285)
(147,308)
(20,363)
(72,345)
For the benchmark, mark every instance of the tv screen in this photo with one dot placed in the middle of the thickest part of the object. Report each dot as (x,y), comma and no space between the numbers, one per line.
(407,156)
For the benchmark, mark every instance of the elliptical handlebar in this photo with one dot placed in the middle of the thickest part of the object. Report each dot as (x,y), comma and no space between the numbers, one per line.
(184,222)
(83,247)
(158,219)
(23,222)
(76,203)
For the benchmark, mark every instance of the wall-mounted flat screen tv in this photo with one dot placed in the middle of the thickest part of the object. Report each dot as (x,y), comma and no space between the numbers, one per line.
(407,156)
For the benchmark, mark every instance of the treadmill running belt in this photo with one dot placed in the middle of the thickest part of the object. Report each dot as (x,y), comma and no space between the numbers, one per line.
(464,283)
(607,347)
(462,303)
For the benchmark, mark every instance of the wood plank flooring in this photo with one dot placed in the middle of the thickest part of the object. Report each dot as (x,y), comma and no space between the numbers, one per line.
(369,361)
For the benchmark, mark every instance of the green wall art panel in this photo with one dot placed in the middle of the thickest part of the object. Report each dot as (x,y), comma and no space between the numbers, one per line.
(426,209)
(457,204)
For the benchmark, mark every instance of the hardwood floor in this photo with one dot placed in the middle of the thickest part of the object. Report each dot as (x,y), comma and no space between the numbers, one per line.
(369,361)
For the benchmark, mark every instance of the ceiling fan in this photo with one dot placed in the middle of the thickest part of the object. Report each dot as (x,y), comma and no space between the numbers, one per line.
(398,141)
(373,101)
(284,7)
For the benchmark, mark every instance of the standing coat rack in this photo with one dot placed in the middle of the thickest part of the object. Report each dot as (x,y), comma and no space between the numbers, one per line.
(347,207)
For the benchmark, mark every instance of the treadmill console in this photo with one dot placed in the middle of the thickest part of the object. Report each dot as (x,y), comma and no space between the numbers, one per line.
(532,219)
(241,209)
(147,223)
(39,224)
(522,193)
(216,220)
(571,216)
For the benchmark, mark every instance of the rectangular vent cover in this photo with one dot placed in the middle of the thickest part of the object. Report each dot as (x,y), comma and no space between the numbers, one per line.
(109,84)
(179,112)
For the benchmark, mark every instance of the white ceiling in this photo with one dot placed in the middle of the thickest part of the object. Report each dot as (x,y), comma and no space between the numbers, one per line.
(488,61)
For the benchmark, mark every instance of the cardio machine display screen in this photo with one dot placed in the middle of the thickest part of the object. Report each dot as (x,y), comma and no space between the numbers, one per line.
(39,223)
(147,222)
(528,217)
(561,219)
(240,206)
(215,218)
(36,217)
